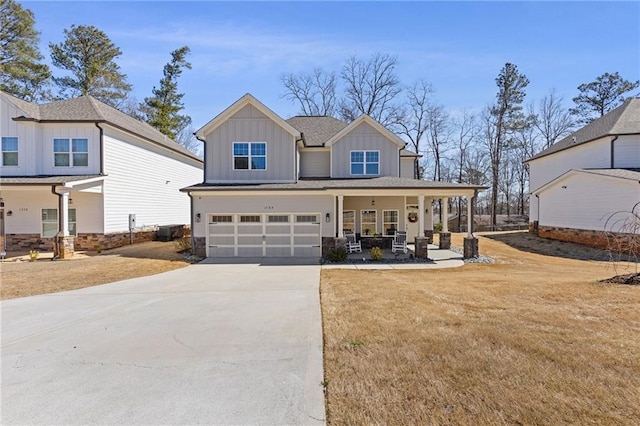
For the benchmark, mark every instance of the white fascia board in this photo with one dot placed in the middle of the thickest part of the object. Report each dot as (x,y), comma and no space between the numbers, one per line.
(85,182)
(373,123)
(247,99)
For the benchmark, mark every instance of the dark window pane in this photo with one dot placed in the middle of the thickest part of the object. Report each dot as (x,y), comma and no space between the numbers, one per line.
(259,163)
(61,160)
(9,158)
(241,163)
(80,159)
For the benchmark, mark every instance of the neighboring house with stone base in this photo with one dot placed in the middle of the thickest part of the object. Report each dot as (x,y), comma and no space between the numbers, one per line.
(578,183)
(292,188)
(88,175)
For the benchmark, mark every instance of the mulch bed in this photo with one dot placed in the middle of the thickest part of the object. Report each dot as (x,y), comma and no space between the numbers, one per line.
(628,279)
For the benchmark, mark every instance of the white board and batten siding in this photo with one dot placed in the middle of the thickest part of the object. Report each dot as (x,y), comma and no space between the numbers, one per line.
(586,201)
(250,125)
(627,152)
(408,167)
(27,135)
(51,131)
(315,163)
(145,180)
(364,137)
(592,155)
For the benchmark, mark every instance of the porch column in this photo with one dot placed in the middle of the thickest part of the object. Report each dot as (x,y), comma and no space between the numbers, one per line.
(340,216)
(445,215)
(469,208)
(63,221)
(421,215)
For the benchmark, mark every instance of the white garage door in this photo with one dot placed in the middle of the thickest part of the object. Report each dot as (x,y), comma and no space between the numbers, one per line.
(264,235)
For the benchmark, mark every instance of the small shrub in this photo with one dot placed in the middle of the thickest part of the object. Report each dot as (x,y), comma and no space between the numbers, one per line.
(337,254)
(437,227)
(183,244)
(98,249)
(33,255)
(376,253)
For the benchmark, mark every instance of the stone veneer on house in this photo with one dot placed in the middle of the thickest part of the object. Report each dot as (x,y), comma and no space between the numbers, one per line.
(600,239)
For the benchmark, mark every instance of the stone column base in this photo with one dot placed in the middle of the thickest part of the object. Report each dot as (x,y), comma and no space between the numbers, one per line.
(428,234)
(470,248)
(445,240)
(66,246)
(422,248)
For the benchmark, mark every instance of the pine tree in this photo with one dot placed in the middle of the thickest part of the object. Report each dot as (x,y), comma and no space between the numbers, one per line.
(21,72)
(601,96)
(506,116)
(163,108)
(89,55)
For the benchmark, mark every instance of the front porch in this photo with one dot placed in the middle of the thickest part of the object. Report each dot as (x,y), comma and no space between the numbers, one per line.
(437,258)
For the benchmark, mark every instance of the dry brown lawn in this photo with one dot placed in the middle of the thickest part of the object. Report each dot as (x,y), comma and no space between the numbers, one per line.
(45,276)
(532,339)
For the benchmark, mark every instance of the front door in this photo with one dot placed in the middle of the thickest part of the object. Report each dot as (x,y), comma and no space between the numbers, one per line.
(411,224)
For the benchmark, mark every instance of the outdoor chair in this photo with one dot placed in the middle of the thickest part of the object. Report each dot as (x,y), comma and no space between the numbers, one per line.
(399,242)
(352,245)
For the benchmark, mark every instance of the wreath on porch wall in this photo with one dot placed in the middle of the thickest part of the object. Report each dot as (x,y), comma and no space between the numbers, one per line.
(413,217)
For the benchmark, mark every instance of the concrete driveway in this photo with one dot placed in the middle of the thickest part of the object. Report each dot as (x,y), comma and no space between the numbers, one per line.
(207,344)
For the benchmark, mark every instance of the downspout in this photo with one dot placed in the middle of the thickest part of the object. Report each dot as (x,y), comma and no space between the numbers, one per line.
(204,150)
(400,160)
(193,240)
(613,151)
(56,247)
(101,148)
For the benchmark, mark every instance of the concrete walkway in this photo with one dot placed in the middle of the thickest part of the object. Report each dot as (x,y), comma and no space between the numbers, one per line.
(207,344)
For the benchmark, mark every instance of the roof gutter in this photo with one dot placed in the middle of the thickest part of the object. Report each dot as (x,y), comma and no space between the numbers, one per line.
(101,148)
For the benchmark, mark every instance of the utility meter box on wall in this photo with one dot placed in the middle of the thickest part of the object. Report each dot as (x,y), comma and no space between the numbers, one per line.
(132,221)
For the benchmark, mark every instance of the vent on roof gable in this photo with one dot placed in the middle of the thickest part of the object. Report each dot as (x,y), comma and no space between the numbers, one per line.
(573,140)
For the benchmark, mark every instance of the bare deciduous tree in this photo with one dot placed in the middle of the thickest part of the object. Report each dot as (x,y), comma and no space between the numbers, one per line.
(314,92)
(552,119)
(372,87)
(413,122)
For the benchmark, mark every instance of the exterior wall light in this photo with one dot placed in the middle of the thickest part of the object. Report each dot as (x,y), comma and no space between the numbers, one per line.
(198,217)
(327,217)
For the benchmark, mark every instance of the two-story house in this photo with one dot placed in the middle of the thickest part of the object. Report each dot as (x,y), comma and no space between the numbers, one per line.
(281,188)
(82,174)
(582,186)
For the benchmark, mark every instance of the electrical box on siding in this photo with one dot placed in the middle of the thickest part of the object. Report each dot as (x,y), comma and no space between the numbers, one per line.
(132,221)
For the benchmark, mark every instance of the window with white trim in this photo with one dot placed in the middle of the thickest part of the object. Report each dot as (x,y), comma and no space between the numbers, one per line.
(307,219)
(250,219)
(365,163)
(50,222)
(349,221)
(9,151)
(368,223)
(389,222)
(249,156)
(70,152)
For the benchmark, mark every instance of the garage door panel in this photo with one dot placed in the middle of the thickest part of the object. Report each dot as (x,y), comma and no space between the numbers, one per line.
(254,240)
(250,251)
(217,229)
(307,229)
(221,252)
(307,251)
(278,240)
(305,240)
(250,229)
(278,251)
(221,240)
(278,229)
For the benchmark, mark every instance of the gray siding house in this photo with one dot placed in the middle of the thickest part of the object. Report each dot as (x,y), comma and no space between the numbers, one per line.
(292,188)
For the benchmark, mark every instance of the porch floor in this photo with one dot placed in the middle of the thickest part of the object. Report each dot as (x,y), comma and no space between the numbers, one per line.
(437,259)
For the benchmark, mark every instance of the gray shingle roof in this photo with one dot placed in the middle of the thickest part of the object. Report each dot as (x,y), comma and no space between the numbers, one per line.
(630,174)
(317,129)
(43,180)
(324,184)
(89,109)
(624,120)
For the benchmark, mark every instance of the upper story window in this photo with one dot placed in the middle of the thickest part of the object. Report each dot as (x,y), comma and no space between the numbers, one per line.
(70,152)
(249,156)
(365,163)
(9,151)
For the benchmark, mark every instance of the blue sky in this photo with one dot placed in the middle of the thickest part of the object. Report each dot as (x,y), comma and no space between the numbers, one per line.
(240,47)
